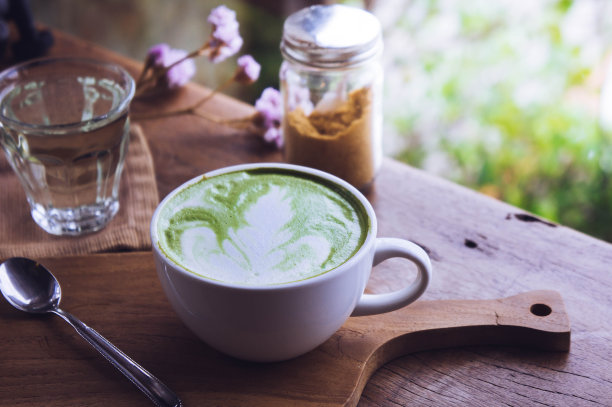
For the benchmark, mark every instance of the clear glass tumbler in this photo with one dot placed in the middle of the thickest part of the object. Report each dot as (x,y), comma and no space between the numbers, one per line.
(64,128)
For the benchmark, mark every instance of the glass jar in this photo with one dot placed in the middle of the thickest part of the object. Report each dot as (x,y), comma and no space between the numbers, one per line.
(331,83)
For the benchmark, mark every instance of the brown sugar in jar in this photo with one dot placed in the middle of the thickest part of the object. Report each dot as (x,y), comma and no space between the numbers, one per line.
(331,81)
(337,141)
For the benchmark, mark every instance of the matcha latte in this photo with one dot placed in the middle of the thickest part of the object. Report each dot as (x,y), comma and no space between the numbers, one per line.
(261,226)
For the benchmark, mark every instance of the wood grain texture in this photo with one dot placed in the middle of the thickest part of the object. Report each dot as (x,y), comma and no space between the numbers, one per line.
(119,295)
(483,248)
(480,249)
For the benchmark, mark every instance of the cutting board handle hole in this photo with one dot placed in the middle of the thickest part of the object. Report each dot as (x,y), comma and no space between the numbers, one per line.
(540,310)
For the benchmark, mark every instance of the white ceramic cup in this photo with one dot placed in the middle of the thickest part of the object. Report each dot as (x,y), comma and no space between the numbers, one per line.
(278,322)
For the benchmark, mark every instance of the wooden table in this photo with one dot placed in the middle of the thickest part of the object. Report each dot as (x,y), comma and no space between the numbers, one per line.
(480,248)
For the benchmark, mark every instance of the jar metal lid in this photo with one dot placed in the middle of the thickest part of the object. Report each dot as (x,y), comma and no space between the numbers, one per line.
(331,36)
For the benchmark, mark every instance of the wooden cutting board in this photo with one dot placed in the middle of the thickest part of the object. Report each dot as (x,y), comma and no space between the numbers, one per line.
(44,362)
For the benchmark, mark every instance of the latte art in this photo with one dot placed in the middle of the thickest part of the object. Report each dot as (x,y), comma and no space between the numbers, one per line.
(261,227)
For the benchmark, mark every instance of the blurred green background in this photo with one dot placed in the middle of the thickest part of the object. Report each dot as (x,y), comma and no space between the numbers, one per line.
(510,98)
(506,98)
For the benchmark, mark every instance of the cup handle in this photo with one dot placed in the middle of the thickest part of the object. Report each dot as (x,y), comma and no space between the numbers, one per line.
(386,248)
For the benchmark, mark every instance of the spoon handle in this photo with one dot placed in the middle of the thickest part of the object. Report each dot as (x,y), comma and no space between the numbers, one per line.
(158,392)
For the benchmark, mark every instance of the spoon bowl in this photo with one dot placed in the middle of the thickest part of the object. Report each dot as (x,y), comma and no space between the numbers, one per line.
(28,286)
(32,288)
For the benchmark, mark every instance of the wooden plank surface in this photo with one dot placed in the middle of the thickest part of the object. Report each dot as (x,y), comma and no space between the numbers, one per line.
(118,294)
(480,249)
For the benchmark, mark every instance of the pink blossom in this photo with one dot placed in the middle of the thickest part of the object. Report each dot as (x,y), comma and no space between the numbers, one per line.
(156,53)
(248,70)
(225,25)
(221,16)
(274,135)
(225,39)
(269,107)
(161,56)
(222,51)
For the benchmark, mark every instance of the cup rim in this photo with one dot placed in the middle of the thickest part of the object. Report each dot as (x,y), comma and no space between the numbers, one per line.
(319,278)
(93,123)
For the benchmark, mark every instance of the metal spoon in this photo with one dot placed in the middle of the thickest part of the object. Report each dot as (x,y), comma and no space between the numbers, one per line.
(30,287)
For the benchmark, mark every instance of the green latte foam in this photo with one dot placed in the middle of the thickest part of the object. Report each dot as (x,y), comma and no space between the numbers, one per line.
(262,226)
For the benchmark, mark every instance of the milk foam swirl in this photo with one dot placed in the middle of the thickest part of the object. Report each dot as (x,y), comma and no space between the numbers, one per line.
(261,227)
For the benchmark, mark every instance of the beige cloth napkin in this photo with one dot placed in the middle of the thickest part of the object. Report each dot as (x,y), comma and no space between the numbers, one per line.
(129,230)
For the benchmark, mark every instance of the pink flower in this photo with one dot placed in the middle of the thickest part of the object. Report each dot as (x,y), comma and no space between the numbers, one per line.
(225,39)
(222,16)
(222,51)
(274,135)
(269,105)
(247,71)
(161,56)
(156,53)
(225,25)
(270,110)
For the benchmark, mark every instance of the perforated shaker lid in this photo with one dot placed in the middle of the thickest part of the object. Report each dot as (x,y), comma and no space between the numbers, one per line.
(331,36)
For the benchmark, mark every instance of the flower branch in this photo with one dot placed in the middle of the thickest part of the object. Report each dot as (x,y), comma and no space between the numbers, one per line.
(166,68)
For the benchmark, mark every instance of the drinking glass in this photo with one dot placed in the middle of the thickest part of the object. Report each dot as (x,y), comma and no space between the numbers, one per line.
(64,128)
